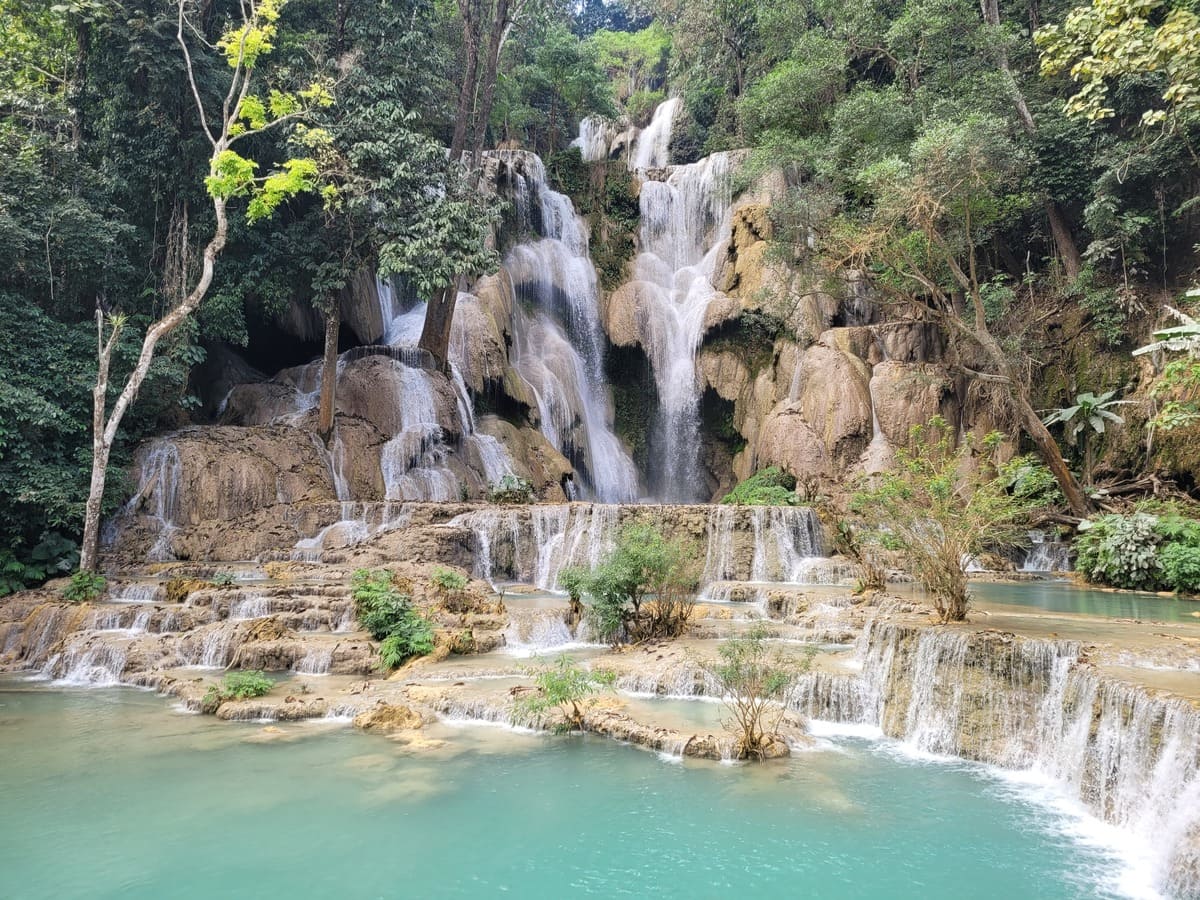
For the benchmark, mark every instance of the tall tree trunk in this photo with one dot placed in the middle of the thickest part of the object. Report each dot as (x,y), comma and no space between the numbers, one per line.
(329,365)
(1064,241)
(439,318)
(500,27)
(104,431)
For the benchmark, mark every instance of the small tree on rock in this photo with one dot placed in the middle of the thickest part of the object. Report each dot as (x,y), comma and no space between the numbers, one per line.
(756,684)
(942,507)
(563,687)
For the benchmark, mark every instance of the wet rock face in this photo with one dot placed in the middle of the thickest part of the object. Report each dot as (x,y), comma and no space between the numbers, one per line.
(387,718)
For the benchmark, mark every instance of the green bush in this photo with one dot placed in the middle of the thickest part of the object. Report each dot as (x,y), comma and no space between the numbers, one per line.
(239,686)
(447,580)
(390,618)
(223,580)
(1180,565)
(511,489)
(84,587)
(766,487)
(1120,550)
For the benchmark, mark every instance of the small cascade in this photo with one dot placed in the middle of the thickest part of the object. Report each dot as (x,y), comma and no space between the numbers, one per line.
(559,344)
(534,631)
(682,220)
(785,539)
(1034,706)
(681,680)
(158,493)
(216,650)
(127,619)
(91,665)
(137,593)
(653,147)
(596,136)
(316,661)
(1046,555)
(249,606)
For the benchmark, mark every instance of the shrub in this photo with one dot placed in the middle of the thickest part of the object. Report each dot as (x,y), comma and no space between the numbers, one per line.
(1180,565)
(756,683)
(1120,550)
(646,588)
(84,587)
(942,506)
(766,487)
(223,580)
(511,489)
(562,686)
(239,686)
(390,617)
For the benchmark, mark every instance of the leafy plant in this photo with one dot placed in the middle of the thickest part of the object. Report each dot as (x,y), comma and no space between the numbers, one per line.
(562,687)
(511,489)
(756,683)
(646,588)
(766,487)
(223,580)
(943,506)
(390,618)
(84,587)
(1120,550)
(239,686)
(1088,416)
(1180,564)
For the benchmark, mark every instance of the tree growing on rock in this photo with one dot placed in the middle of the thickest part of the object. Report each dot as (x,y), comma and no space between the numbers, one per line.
(645,589)
(942,507)
(231,176)
(756,682)
(562,687)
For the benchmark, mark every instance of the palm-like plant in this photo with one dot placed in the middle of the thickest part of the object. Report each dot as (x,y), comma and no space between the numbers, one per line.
(1088,417)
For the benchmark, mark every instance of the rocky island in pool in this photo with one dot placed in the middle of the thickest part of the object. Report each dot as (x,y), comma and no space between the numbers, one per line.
(622,447)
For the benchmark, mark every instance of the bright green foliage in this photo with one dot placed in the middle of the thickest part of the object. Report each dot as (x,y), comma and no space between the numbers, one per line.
(562,687)
(448,579)
(84,587)
(511,489)
(239,686)
(1106,42)
(767,487)
(1028,478)
(1178,385)
(756,682)
(1088,416)
(944,505)
(1141,551)
(390,618)
(636,66)
(223,580)
(644,589)
(1120,550)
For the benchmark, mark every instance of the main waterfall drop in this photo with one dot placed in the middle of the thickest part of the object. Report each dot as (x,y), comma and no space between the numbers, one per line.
(559,345)
(682,219)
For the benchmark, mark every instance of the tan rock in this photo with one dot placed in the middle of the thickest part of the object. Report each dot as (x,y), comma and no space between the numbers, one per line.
(387,717)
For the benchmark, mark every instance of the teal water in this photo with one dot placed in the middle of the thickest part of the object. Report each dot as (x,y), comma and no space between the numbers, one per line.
(1060,596)
(106,793)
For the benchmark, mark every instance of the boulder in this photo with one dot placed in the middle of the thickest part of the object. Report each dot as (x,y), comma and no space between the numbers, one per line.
(386,718)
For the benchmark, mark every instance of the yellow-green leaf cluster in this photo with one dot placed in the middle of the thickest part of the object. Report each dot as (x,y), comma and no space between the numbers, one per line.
(244,45)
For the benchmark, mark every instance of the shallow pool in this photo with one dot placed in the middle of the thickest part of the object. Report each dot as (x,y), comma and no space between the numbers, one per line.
(106,793)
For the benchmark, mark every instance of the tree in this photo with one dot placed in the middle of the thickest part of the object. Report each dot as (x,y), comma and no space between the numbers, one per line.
(242,114)
(1087,416)
(757,683)
(646,588)
(1101,44)
(942,507)
(919,246)
(563,687)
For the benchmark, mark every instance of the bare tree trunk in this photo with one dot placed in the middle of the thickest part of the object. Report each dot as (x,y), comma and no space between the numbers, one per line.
(333,319)
(105,431)
(1059,231)
(439,318)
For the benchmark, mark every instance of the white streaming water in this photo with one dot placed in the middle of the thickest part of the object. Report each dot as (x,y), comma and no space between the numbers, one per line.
(249,606)
(682,220)
(1033,707)
(158,491)
(653,147)
(559,344)
(316,661)
(1046,555)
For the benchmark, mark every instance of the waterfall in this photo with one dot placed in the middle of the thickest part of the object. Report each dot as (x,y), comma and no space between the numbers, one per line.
(315,662)
(161,472)
(534,631)
(100,665)
(1034,706)
(249,606)
(681,221)
(653,148)
(535,544)
(559,343)
(596,135)
(1046,555)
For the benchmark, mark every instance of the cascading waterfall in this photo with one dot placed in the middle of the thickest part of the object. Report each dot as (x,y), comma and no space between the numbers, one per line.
(681,219)
(653,148)
(249,606)
(161,473)
(559,346)
(533,546)
(1046,555)
(1032,705)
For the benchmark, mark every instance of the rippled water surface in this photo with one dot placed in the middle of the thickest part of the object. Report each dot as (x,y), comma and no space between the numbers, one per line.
(107,793)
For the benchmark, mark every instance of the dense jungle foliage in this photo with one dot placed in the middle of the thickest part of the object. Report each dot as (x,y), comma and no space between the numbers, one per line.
(1038,157)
